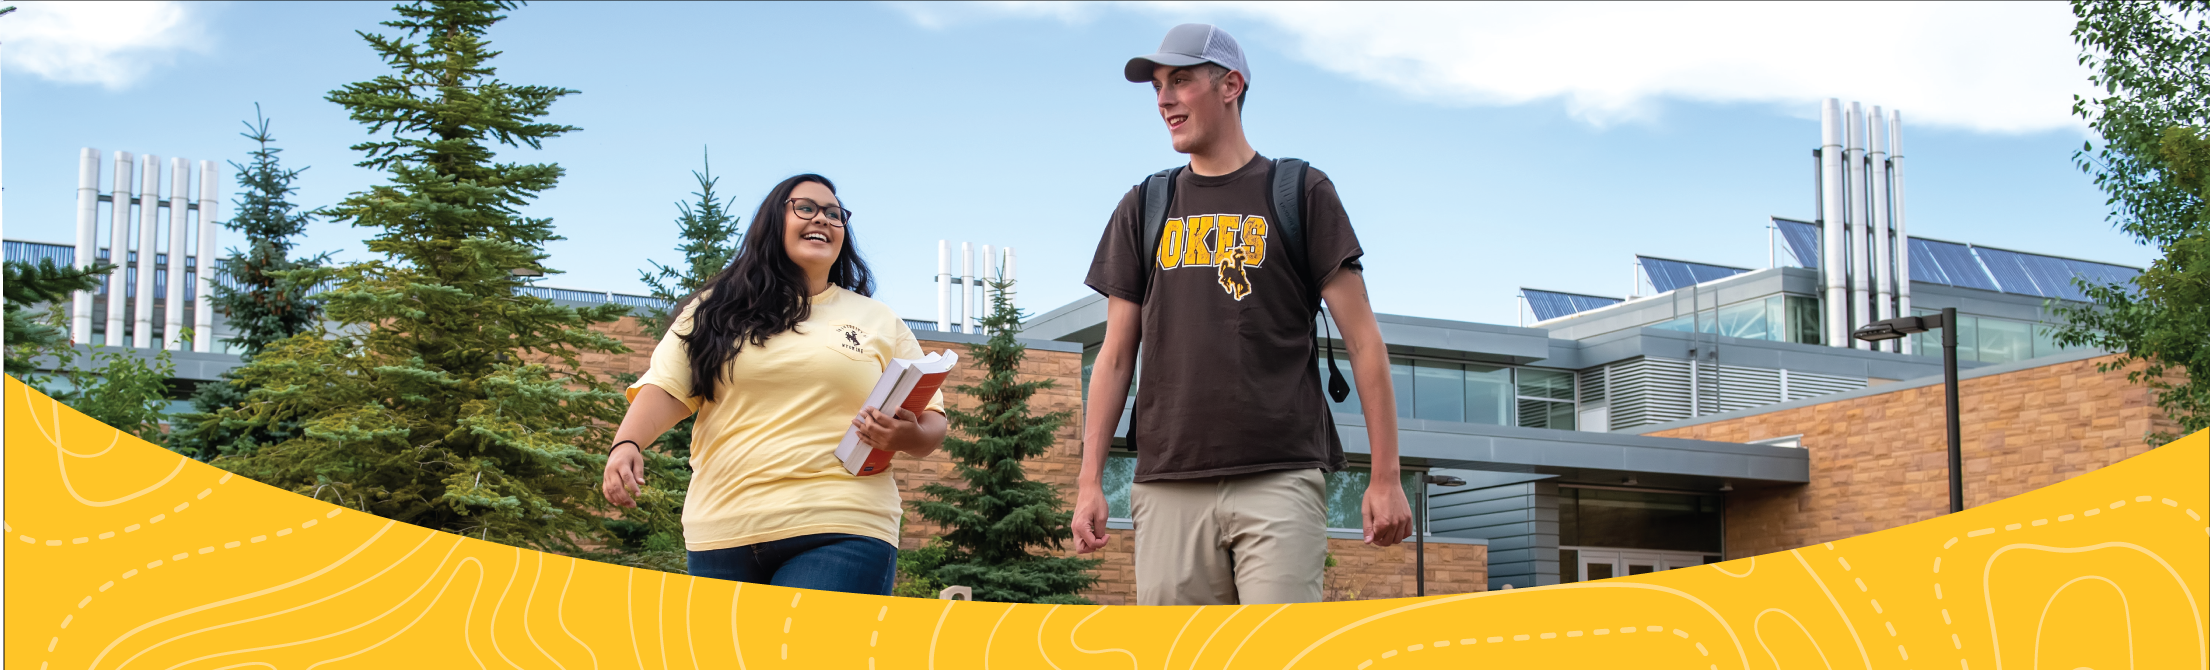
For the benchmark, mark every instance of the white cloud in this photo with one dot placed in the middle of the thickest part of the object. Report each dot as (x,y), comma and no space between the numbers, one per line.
(111,44)
(1982,66)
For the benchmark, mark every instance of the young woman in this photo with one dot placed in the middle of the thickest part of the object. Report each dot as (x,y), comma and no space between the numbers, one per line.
(776,354)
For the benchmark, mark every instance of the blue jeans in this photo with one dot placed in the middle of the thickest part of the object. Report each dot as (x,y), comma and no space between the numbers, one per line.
(824,562)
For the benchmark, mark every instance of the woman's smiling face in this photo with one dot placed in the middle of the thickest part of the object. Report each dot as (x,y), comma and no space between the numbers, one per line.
(813,244)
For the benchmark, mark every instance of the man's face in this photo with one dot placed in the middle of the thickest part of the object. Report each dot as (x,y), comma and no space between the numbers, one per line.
(1194,107)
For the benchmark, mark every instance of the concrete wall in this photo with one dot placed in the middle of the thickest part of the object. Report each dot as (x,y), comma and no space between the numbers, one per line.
(1879,458)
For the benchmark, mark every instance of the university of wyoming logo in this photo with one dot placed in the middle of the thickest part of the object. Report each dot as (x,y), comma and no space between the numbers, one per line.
(1231,243)
(851,339)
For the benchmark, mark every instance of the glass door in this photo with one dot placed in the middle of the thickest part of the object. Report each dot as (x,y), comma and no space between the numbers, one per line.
(1598,564)
(1639,563)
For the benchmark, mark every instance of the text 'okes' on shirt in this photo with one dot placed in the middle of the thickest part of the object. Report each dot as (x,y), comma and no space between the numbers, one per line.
(1229,386)
(763,452)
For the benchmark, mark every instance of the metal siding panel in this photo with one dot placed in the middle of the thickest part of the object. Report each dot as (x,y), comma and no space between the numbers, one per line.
(1477,508)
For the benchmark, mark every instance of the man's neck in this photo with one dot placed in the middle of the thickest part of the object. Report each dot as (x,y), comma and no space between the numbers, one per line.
(1227,155)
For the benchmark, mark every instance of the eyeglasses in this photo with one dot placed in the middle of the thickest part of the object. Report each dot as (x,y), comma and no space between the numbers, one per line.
(806,209)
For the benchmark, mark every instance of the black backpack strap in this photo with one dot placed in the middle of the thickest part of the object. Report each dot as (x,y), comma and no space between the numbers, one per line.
(1157,194)
(1289,208)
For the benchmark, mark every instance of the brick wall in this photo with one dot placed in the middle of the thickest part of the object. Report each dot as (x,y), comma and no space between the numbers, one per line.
(1362,572)
(1881,461)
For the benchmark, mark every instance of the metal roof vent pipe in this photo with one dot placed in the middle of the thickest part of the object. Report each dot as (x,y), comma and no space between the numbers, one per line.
(1902,237)
(1856,219)
(1883,297)
(1833,263)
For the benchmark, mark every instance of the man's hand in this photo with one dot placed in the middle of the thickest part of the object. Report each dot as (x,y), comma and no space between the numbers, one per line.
(899,432)
(625,473)
(1089,518)
(1388,516)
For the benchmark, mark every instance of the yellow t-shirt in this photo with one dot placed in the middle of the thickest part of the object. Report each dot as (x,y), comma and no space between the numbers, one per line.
(763,453)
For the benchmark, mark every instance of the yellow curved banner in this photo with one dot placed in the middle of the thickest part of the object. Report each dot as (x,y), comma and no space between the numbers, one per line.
(121,555)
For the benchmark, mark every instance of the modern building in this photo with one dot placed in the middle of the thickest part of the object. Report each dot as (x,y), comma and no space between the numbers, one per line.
(1590,441)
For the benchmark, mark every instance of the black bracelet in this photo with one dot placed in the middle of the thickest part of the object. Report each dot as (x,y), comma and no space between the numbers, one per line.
(618,445)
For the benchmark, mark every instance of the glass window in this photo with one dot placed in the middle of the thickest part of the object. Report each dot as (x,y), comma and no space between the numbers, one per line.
(1089,360)
(2003,340)
(2045,340)
(1968,338)
(1441,391)
(1637,520)
(1803,320)
(1552,414)
(1744,320)
(1488,395)
(1120,474)
(1552,384)
(1681,324)
(1347,490)
(1350,402)
(1776,319)
(1400,378)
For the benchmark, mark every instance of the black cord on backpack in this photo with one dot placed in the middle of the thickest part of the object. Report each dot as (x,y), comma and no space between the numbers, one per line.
(1337,388)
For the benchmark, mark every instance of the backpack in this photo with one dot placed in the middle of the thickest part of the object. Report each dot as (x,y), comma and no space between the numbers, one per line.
(1288,190)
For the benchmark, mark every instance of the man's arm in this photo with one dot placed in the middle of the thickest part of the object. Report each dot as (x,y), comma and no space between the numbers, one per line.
(1109,375)
(1387,515)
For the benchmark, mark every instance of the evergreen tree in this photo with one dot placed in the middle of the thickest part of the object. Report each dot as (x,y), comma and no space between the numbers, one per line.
(110,385)
(710,241)
(25,284)
(994,521)
(435,391)
(2152,60)
(263,307)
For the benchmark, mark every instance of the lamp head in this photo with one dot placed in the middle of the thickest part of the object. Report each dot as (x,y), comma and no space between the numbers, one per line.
(1896,328)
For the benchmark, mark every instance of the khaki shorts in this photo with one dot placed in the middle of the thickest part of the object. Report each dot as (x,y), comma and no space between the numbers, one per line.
(1243,540)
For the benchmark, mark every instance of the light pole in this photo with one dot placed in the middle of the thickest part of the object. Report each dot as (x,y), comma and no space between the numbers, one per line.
(1897,328)
(1419,526)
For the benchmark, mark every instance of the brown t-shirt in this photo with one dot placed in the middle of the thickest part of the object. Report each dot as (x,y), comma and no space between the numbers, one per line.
(1229,386)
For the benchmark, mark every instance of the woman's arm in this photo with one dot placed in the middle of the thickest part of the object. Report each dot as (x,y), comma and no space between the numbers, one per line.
(652,413)
(902,432)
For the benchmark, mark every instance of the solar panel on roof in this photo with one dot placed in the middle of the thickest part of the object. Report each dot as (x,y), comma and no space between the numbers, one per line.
(1802,240)
(2049,276)
(1549,305)
(1948,263)
(2010,272)
(1666,275)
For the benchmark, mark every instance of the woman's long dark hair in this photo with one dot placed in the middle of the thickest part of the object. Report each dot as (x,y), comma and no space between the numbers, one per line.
(762,293)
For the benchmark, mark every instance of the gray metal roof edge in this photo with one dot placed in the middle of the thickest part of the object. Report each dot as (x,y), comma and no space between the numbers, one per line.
(1905,385)
(1465,326)
(1047,322)
(1621,439)
(978,338)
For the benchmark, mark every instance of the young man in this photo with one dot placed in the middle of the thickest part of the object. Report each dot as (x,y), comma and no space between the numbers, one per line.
(1232,434)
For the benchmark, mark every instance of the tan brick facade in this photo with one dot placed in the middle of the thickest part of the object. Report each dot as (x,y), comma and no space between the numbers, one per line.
(1881,461)
(1362,572)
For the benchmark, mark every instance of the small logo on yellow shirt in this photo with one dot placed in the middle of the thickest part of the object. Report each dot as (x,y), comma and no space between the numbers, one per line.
(851,339)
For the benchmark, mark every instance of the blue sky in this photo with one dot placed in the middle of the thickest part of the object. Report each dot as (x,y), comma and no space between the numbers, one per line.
(1472,164)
